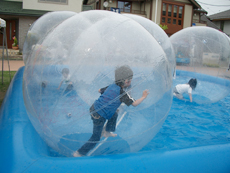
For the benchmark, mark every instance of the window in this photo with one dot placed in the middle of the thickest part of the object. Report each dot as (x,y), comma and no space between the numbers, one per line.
(222,25)
(180,12)
(124,6)
(169,10)
(164,9)
(174,21)
(64,2)
(169,20)
(172,15)
(175,11)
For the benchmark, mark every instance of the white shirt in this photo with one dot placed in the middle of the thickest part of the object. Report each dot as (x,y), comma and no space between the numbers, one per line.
(66,80)
(182,88)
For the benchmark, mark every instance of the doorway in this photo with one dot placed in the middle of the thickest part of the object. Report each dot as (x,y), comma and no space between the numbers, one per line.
(10,32)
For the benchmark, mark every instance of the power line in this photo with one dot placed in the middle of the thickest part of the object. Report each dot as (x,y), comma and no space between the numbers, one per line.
(213,5)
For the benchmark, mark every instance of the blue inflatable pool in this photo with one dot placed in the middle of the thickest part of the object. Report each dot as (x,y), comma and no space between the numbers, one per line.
(22,149)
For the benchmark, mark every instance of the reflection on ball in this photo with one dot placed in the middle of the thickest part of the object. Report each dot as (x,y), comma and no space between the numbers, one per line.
(160,36)
(41,28)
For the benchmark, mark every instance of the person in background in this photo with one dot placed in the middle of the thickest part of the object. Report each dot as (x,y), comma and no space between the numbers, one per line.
(185,88)
(66,79)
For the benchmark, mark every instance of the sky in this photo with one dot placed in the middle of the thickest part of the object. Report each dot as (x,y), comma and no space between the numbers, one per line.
(214,6)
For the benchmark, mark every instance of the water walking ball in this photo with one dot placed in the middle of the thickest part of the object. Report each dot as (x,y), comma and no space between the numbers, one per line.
(203,53)
(91,45)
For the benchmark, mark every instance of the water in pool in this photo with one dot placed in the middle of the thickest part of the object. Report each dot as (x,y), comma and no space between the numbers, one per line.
(192,125)
(187,125)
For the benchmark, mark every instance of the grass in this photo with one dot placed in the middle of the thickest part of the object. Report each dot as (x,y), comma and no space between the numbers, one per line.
(6,83)
(211,65)
(13,58)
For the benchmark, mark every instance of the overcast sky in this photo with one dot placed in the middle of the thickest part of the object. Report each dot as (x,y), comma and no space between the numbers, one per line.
(214,6)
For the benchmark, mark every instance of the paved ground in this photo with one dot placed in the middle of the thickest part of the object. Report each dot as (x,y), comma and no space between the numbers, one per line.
(219,72)
(14,65)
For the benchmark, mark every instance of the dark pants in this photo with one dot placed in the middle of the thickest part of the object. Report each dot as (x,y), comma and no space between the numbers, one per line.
(98,124)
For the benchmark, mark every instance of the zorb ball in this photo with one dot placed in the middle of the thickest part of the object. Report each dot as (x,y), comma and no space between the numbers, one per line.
(39,29)
(203,53)
(161,37)
(85,59)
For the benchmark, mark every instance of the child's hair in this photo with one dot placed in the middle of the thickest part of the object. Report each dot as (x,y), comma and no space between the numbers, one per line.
(122,73)
(192,82)
(65,70)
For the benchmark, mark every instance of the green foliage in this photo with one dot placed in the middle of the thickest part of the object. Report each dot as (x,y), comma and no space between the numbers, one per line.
(163,27)
(211,65)
(6,83)
(15,41)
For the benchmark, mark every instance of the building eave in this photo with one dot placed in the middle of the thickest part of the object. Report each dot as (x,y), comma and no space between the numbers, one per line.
(224,15)
(200,11)
(195,4)
(220,19)
(15,8)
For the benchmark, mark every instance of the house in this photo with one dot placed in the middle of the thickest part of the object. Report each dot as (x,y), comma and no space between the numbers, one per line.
(176,14)
(222,20)
(21,14)
(209,23)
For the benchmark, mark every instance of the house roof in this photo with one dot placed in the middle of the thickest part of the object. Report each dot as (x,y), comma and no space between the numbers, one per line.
(15,8)
(200,11)
(195,4)
(221,16)
(209,23)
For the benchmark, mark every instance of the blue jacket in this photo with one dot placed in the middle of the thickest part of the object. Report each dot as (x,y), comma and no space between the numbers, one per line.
(110,99)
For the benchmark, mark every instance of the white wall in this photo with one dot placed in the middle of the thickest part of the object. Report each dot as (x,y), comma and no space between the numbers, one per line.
(187,16)
(159,4)
(227,27)
(73,5)
(147,9)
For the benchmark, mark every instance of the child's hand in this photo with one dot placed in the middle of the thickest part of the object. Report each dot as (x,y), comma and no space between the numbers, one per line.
(145,93)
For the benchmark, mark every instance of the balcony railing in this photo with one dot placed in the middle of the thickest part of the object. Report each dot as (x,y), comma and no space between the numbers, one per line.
(91,2)
(129,11)
(198,21)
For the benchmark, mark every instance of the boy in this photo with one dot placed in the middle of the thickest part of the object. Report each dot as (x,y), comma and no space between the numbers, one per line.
(66,79)
(105,107)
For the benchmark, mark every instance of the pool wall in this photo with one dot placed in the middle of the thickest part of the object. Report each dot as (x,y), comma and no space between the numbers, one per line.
(204,77)
(22,149)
